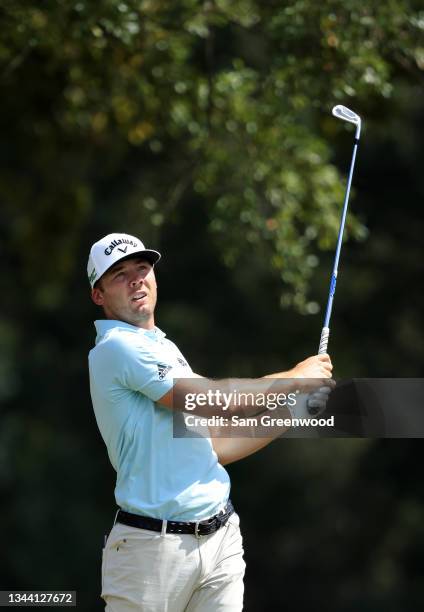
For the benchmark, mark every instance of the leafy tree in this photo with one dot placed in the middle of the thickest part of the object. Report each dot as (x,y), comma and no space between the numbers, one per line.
(225,103)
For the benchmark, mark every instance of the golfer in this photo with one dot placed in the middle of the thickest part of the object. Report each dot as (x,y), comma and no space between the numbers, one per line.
(175,545)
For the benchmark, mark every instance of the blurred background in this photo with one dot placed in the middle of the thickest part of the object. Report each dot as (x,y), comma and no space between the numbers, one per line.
(205,129)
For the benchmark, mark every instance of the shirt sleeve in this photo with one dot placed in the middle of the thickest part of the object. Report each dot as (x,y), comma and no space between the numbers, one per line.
(145,368)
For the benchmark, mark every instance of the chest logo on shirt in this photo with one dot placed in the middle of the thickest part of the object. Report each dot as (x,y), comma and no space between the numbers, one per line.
(182,362)
(163,370)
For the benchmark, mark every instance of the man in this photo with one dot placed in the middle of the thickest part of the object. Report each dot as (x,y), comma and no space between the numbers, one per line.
(176,543)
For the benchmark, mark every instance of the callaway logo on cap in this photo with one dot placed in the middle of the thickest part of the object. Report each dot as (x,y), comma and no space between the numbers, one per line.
(110,249)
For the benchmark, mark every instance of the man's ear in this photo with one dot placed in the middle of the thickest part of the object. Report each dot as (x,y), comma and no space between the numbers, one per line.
(97,296)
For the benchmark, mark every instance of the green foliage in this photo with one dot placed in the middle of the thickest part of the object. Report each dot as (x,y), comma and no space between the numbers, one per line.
(235,94)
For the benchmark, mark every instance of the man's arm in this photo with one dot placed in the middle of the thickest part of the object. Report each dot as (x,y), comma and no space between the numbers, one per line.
(311,373)
(229,450)
(230,446)
(232,449)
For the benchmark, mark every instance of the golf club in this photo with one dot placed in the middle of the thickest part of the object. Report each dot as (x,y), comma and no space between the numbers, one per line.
(345,114)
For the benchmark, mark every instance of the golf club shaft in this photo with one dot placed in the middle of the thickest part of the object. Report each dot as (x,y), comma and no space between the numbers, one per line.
(326,328)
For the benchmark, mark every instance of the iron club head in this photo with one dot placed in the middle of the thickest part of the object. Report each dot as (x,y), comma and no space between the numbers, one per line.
(345,114)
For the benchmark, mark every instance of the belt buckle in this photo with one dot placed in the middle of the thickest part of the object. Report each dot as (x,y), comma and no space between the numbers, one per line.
(219,520)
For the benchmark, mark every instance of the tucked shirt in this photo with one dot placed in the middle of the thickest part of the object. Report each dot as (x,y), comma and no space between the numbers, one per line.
(157,475)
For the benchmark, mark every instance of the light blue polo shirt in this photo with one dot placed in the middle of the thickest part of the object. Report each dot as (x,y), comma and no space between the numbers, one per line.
(157,475)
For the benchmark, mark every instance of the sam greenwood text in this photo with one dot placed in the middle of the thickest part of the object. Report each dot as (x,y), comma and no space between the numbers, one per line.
(261,421)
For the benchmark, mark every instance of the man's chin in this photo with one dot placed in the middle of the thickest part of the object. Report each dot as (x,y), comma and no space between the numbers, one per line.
(142,312)
(141,316)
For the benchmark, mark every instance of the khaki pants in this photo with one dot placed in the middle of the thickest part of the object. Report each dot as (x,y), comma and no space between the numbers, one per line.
(149,572)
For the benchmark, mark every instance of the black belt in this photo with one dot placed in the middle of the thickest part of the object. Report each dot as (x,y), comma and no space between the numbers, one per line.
(201,528)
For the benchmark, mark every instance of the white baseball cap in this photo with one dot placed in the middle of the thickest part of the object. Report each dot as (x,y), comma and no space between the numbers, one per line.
(112,248)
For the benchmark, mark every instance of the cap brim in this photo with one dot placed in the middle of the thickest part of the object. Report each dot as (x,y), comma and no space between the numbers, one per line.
(149,254)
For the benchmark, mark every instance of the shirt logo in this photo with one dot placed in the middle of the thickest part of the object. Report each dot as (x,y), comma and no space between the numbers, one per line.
(182,362)
(163,370)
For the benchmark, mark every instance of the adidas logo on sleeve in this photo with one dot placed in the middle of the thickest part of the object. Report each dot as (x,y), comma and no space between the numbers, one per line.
(163,370)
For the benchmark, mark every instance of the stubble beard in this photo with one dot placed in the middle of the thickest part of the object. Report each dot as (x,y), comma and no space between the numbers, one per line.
(144,314)
(137,317)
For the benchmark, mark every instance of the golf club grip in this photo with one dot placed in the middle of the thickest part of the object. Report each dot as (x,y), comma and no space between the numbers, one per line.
(323,343)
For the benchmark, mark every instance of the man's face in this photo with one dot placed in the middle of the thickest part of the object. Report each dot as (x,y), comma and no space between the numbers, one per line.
(127,292)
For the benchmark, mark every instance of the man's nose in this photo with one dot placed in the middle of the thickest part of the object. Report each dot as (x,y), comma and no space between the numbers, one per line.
(137,279)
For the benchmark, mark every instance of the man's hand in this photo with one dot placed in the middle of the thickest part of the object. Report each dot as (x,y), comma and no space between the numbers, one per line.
(315,372)
(317,366)
(317,401)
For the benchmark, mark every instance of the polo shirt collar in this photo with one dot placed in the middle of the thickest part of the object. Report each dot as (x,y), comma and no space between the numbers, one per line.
(104,325)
